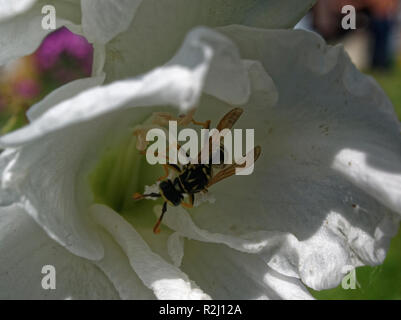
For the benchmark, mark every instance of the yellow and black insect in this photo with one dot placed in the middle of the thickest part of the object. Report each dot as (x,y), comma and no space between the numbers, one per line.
(195,178)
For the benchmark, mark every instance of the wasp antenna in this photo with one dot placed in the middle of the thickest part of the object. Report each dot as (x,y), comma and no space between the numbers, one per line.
(156,228)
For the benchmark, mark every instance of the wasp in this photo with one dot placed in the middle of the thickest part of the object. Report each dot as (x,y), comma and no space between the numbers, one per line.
(194,178)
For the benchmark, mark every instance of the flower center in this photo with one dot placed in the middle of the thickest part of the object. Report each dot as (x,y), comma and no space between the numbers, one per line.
(122,171)
(124,174)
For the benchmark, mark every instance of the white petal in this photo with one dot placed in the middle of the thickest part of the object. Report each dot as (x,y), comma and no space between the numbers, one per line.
(179,220)
(7,158)
(23,34)
(25,249)
(11,8)
(281,251)
(158,27)
(278,14)
(261,82)
(116,266)
(175,247)
(63,93)
(229,274)
(47,183)
(383,185)
(104,19)
(101,27)
(164,279)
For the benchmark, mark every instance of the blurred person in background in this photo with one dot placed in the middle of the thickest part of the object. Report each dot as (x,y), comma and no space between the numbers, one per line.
(382,24)
(377,17)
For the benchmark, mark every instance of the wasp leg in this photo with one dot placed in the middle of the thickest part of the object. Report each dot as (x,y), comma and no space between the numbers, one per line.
(138,196)
(156,228)
(205,124)
(191,202)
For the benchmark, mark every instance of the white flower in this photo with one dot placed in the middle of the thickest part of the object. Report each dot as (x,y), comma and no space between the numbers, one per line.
(325,192)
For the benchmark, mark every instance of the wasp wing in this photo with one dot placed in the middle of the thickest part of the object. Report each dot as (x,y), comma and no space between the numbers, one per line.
(230,170)
(227,122)
(223,174)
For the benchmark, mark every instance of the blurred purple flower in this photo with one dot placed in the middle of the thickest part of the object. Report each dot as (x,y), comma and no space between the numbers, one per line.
(66,55)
